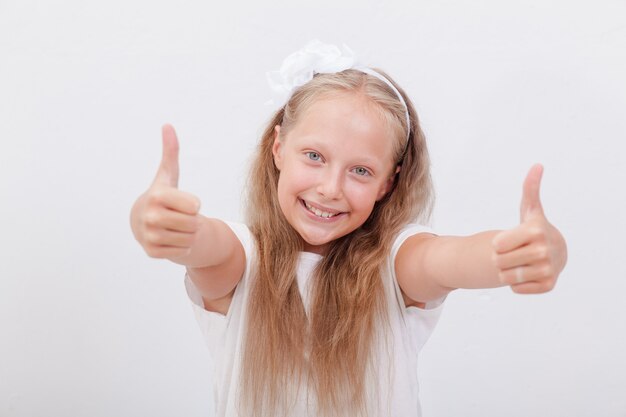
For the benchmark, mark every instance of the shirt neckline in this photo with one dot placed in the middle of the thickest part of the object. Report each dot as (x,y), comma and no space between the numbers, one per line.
(310,255)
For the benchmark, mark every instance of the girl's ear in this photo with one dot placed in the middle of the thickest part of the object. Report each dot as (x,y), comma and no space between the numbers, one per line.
(388,184)
(277,148)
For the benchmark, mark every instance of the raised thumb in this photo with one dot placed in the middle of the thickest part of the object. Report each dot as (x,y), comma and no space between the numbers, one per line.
(531,202)
(168,170)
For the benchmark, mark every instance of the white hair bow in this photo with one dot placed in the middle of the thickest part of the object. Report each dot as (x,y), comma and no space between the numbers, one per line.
(320,58)
(300,67)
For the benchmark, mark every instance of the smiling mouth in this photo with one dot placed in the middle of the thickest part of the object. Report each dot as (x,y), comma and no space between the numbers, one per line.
(320,213)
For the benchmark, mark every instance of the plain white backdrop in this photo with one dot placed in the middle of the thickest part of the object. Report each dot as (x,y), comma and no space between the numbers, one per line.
(91,326)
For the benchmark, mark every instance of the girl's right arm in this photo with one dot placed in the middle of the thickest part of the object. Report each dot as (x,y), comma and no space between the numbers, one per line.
(167,224)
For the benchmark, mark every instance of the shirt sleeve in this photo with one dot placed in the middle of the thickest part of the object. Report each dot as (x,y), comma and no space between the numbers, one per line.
(212,324)
(419,323)
(407,231)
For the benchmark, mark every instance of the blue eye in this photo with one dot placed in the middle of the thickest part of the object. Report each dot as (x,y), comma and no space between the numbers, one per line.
(314,156)
(361,171)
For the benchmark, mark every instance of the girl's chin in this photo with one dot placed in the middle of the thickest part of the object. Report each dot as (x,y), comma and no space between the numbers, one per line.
(318,244)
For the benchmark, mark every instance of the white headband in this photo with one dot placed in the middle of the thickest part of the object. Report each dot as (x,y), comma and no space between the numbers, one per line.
(320,58)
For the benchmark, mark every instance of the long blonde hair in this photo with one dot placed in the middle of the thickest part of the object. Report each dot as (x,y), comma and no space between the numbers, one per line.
(330,350)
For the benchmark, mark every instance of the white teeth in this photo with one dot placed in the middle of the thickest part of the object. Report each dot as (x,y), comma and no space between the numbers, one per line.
(318,212)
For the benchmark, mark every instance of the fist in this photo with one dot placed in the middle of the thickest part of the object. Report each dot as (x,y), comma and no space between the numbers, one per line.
(165,220)
(531,256)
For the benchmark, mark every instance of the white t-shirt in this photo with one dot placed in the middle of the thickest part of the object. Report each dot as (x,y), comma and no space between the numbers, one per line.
(396,394)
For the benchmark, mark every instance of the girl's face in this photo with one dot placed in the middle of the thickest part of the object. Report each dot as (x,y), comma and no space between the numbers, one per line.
(335,163)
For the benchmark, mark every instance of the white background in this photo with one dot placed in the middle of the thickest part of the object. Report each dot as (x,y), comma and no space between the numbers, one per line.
(91,326)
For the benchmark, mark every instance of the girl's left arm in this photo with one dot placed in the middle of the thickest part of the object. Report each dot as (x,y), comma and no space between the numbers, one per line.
(529,257)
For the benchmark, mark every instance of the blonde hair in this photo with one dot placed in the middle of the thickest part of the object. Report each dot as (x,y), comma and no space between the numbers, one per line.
(331,350)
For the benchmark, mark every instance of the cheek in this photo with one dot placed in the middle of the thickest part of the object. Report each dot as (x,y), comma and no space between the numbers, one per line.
(362,196)
(291,183)
(298,178)
(284,189)
(285,196)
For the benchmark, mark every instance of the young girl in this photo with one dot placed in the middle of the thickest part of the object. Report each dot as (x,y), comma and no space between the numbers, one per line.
(319,305)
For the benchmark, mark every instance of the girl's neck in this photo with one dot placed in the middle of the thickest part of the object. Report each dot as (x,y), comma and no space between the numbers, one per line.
(317,249)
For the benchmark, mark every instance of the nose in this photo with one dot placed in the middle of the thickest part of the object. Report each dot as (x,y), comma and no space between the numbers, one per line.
(331,185)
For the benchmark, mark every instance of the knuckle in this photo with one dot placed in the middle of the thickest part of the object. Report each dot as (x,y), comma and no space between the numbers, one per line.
(536,231)
(157,195)
(188,242)
(547,272)
(153,252)
(190,237)
(153,196)
(153,218)
(153,237)
(541,252)
(196,204)
(194,225)
(517,289)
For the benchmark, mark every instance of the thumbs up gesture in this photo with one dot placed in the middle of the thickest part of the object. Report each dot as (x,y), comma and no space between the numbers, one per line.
(164,220)
(530,256)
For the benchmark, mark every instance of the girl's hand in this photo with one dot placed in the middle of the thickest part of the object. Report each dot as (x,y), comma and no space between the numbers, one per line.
(530,256)
(165,220)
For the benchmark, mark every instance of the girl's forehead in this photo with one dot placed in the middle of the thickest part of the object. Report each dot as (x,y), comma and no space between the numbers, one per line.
(340,100)
(348,111)
(344,123)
